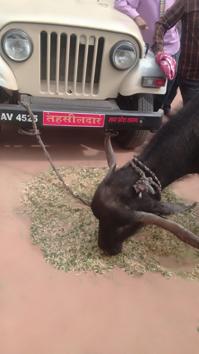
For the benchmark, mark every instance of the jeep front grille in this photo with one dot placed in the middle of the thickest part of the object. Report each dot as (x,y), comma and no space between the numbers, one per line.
(70,63)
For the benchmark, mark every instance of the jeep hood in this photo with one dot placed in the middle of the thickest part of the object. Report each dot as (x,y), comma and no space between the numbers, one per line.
(98,14)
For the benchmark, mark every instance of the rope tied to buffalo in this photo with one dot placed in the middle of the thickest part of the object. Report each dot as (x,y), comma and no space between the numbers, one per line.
(37,134)
(149,184)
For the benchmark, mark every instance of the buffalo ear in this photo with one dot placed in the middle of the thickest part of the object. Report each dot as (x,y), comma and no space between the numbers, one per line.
(165,208)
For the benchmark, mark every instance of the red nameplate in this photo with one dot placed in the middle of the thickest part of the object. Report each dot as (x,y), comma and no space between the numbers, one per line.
(71,119)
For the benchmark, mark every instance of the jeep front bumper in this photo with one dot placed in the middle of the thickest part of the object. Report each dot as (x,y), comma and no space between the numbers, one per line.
(79,117)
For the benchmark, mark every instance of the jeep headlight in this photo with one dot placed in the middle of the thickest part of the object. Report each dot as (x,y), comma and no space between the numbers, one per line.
(124,55)
(17,45)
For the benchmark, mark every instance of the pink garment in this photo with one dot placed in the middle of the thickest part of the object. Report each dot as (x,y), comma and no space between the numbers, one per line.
(167,64)
(149,10)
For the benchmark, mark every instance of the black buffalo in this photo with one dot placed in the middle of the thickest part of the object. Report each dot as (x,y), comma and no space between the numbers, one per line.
(130,197)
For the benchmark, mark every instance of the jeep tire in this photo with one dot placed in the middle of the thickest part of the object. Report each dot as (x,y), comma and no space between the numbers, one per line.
(130,139)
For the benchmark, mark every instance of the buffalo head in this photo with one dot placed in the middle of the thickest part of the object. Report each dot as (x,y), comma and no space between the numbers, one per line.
(122,210)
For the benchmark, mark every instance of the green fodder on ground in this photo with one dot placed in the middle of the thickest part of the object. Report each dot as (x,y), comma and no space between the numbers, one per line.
(66,230)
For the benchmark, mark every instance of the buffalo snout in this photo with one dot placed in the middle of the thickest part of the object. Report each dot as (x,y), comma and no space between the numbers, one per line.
(107,242)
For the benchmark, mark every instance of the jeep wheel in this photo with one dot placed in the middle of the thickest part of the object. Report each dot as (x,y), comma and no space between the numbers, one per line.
(130,139)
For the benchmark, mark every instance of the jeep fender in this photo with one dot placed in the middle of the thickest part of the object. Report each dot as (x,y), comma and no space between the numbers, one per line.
(132,83)
(7,78)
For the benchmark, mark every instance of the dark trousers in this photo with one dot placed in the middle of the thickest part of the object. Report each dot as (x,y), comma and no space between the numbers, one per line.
(164,101)
(188,88)
(172,88)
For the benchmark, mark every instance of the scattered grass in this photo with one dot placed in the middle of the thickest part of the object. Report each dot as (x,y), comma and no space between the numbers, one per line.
(66,231)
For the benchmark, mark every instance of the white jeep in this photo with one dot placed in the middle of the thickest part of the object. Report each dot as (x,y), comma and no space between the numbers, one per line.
(77,63)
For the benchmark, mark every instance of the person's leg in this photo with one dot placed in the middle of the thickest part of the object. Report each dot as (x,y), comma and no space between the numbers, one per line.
(172,88)
(164,101)
(188,88)
(171,93)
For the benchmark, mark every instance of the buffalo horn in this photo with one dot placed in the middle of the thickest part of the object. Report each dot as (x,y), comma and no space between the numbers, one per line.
(110,156)
(178,230)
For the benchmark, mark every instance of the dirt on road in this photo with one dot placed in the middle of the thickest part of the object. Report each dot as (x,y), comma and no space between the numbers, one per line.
(45,311)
